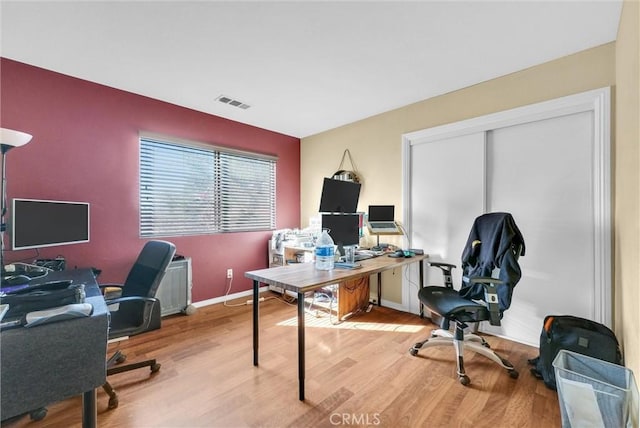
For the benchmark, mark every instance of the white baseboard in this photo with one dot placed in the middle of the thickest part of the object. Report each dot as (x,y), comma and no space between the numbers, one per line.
(222,299)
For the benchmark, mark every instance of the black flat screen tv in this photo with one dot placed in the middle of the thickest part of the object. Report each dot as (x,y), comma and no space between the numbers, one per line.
(41,223)
(339,196)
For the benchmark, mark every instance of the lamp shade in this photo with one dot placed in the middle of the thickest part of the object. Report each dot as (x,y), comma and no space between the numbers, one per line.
(11,138)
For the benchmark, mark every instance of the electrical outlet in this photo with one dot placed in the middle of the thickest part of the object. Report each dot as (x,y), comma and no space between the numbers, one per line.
(229,273)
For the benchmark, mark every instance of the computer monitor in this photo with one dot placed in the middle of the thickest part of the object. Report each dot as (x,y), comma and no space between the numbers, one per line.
(339,196)
(40,223)
(344,229)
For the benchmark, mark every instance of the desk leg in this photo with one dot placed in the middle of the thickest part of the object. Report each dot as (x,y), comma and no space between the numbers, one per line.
(421,264)
(89,409)
(301,345)
(379,288)
(256,328)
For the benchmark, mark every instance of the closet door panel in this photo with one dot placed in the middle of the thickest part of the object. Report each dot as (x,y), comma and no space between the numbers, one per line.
(447,193)
(542,173)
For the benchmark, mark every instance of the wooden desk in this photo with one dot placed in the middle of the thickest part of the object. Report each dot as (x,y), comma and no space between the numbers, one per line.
(304,277)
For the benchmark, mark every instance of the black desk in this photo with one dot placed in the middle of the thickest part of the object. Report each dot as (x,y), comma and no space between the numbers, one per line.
(42,365)
(303,277)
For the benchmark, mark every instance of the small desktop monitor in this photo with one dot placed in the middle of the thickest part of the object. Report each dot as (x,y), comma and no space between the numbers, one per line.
(40,223)
(339,196)
(344,229)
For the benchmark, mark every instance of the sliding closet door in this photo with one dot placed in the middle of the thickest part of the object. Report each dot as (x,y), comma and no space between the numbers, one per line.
(548,165)
(447,190)
(542,173)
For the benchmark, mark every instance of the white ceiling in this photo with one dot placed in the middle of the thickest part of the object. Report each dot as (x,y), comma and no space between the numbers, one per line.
(303,66)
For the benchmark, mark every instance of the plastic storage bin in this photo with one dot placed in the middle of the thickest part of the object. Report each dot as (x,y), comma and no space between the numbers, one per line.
(595,393)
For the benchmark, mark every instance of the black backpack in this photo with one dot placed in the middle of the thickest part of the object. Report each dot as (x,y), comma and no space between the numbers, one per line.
(573,334)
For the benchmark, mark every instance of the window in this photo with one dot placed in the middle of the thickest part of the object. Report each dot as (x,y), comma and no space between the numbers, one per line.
(194,189)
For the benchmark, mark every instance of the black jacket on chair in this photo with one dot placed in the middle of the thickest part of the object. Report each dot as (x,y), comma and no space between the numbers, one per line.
(491,244)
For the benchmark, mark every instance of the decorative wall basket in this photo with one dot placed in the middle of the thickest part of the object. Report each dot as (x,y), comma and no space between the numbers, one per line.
(346,174)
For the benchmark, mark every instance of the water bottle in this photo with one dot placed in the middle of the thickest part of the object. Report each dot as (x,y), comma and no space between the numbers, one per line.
(324,251)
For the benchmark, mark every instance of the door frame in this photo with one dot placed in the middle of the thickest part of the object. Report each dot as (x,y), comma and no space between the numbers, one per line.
(598,102)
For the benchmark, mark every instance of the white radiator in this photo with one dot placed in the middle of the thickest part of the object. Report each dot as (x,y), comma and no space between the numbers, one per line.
(174,291)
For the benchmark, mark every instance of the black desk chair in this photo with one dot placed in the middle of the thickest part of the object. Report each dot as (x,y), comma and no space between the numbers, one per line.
(138,310)
(495,242)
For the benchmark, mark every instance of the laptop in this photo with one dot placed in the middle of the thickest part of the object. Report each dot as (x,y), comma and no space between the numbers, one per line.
(380,219)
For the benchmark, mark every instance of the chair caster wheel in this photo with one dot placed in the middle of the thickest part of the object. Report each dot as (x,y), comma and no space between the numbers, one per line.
(514,374)
(507,363)
(155,368)
(113,403)
(464,380)
(121,359)
(413,351)
(38,414)
(418,345)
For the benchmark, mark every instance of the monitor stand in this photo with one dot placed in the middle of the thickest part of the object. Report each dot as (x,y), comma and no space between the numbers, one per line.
(379,246)
(340,250)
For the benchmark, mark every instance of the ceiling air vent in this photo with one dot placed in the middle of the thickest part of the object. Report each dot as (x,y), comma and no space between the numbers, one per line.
(227,100)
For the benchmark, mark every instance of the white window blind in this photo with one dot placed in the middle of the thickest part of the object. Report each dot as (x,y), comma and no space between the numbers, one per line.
(191,189)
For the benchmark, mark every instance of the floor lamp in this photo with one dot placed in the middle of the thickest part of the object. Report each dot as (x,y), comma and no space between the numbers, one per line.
(8,140)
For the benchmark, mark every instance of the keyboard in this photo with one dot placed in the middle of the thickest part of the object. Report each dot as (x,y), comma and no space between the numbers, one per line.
(346,265)
(383,225)
(366,254)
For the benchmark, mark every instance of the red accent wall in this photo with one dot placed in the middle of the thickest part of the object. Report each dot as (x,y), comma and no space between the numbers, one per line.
(85,148)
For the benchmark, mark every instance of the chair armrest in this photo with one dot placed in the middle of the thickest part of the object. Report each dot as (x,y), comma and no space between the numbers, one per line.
(149,302)
(438,264)
(130,299)
(490,296)
(446,269)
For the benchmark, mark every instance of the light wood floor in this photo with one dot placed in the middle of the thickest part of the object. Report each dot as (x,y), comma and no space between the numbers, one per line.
(359,373)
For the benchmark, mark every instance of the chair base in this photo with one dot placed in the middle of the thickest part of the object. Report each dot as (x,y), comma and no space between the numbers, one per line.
(460,342)
(119,357)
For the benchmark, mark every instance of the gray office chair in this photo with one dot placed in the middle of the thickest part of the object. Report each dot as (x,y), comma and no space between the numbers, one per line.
(137,310)
(494,243)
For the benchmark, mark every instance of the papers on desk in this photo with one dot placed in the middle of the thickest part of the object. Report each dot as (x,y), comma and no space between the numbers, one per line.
(369,253)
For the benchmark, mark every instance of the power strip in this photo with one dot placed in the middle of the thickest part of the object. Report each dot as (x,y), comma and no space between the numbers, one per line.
(250,302)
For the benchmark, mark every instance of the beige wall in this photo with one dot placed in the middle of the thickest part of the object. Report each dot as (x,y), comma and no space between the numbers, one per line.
(375,143)
(627,184)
